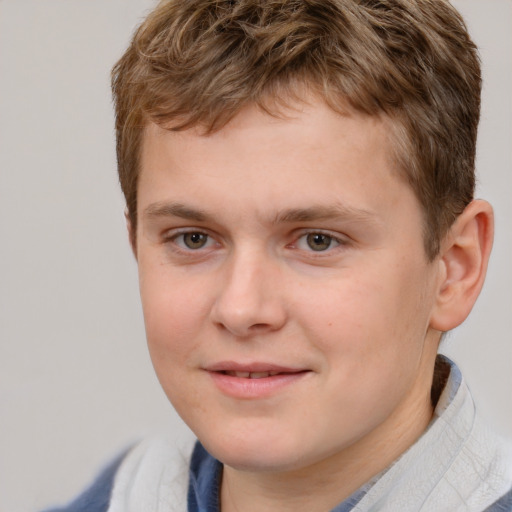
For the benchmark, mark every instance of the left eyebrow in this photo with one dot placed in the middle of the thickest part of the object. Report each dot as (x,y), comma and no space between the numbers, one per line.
(322,212)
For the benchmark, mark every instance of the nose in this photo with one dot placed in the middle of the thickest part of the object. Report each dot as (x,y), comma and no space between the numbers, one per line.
(249,299)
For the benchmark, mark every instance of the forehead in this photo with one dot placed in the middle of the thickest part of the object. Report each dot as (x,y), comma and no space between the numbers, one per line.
(310,155)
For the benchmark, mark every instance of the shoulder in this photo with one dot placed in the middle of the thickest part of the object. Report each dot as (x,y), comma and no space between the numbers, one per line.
(457,465)
(470,465)
(503,504)
(151,475)
(97,497)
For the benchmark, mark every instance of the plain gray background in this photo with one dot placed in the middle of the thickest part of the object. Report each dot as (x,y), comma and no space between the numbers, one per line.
(76,383)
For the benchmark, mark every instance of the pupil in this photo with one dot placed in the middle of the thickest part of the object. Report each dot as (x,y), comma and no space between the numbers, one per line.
(194,240)
(318,241)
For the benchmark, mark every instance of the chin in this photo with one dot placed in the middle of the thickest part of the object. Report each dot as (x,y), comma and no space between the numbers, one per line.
(258,461)
(259,453)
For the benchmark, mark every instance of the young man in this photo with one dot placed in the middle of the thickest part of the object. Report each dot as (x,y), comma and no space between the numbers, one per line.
(299,181)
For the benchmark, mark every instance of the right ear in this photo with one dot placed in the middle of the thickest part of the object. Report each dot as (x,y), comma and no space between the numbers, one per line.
(131,233)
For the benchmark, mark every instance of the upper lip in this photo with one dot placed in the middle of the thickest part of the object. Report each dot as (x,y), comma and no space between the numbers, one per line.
(255,367)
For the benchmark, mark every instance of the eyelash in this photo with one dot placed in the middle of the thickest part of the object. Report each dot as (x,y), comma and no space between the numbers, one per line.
(173,237)
(336,240)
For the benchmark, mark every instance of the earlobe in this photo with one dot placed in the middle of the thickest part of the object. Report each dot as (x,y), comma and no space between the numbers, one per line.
(463,261)
(131,232)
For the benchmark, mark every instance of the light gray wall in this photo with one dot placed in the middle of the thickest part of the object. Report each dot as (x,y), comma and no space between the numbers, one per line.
(76,384)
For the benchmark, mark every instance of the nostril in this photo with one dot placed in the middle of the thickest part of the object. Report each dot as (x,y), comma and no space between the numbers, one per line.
(258,327)
(254,315)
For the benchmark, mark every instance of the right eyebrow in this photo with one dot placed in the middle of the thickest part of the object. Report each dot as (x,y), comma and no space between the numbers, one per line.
(163,209)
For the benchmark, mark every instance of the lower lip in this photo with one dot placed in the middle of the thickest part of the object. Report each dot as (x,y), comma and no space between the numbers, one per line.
(245,388)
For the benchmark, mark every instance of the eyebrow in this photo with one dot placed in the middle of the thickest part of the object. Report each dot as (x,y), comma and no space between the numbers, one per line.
(322,212)
(175,210)
(291,215)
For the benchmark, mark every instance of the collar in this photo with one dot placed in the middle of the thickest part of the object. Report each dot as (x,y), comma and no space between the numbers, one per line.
(455,465)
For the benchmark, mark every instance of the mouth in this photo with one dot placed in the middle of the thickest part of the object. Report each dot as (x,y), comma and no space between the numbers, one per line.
(254,381)
(255,370)
(254,375)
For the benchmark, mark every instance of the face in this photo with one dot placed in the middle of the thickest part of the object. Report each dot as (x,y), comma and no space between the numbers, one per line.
(285,288)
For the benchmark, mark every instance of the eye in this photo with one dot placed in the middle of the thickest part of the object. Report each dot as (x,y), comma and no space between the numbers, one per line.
(317,242)
(320,241)
(193,240)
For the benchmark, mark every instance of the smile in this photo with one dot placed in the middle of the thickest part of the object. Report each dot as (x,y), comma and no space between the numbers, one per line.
(251,375)
(256,381)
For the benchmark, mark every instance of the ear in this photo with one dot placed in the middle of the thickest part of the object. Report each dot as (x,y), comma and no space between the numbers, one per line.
(465,252)
(131,233)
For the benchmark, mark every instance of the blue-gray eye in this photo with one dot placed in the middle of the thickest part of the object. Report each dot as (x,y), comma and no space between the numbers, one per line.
(319,241)
(194,240)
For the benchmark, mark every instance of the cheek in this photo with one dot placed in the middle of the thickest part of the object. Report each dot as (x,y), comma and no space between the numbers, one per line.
(378,314)
(174,313)
(371,334)
(174,322)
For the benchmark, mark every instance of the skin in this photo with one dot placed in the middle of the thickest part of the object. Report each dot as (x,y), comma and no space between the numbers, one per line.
(294,242)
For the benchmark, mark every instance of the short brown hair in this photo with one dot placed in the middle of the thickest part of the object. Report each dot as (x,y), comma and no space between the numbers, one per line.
(199,62)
